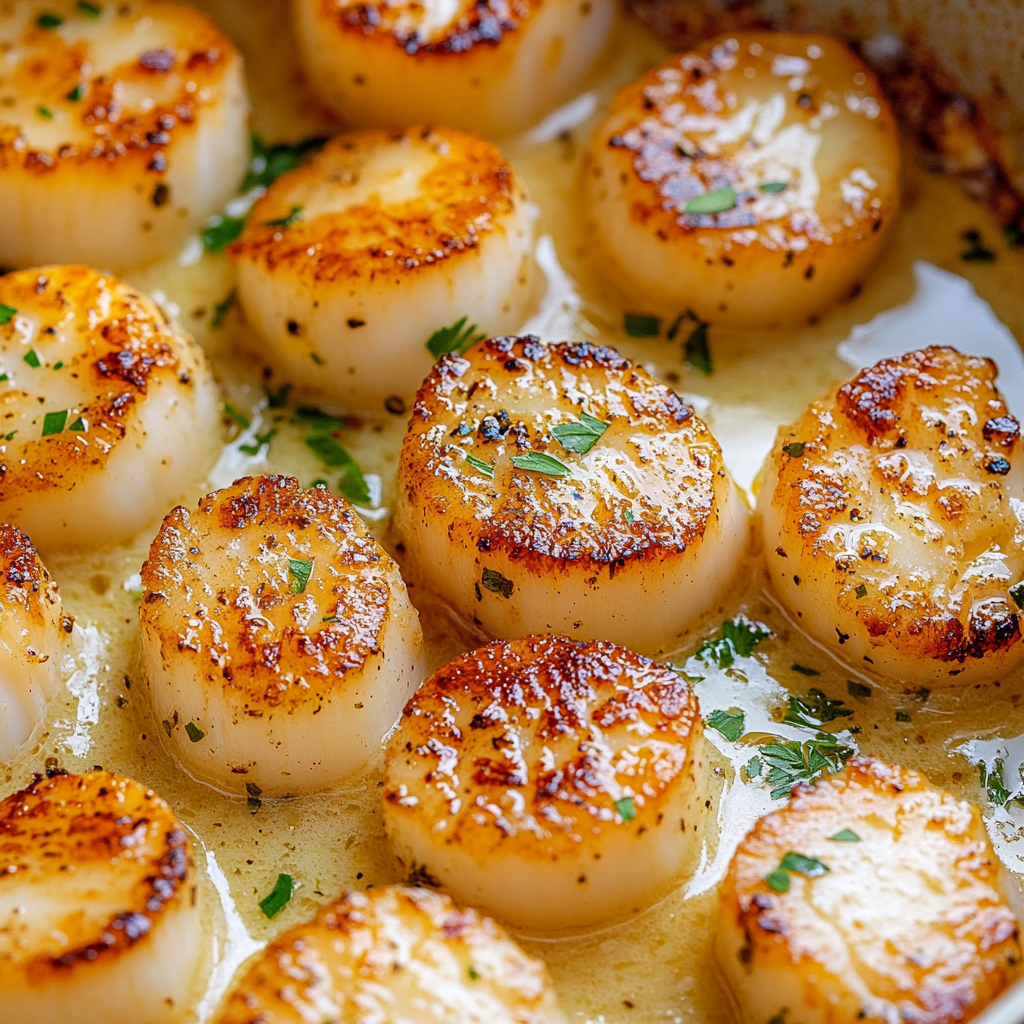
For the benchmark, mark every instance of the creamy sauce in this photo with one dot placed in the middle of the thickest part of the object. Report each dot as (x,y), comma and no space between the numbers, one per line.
(657,966)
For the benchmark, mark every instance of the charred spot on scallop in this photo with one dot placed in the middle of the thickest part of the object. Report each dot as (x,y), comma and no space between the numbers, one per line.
(98,912)
(870,896)
(350,264)
(123,127)
(34,633)
(904,537)
(555,782)
(495,68)
(559,487)
(108,412)
(751,180)
(277,636)
(394,953)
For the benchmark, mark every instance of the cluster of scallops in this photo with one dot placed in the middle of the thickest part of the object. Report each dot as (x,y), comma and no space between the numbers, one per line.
(553,494)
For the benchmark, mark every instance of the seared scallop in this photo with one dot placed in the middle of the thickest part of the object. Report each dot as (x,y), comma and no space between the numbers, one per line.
(99,917)
(394,955)
(123,126)
(349,264)
(893,518)
(561,489)
(751,180)
(872,896)
(33,637)
(277,637)
(557,783)
(493,68)
(108,412)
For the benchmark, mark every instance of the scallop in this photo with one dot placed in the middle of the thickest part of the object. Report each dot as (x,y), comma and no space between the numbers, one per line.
(394,955)
(559,488)
(556,783)
(33,640)
(893,520)
(349,264)
(277,637)
(872,896)
(108,412)
(123,127)
(492,68)
(99,916)
(752,180)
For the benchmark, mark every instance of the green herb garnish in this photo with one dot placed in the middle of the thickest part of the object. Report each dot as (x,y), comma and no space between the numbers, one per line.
(738,638)
(221,231)
(334,454)
(638,325)
(861,592)
(778,880)
(811,867)
(77,93)
(88,9)
(277,399)
(49,21)
(773,188)
(994,782)
(539,462)
(458,338)
(626,808)
(814,709)
(731,723)
(220,311)
(279,896)
(474,974)
(299,570)
(794,449)
(258,442)
(493,581)
(32,358)
(845,836)
(580,437)
(53,422)
(790,761)
(270,162)
(1017,593)
(44,111)
(195,734)
(294,215)
(858,690)
(753,768)
(7,313)
(239,417)
(485,468)
(696,349)
(902,716)
(718,200)
(79,426)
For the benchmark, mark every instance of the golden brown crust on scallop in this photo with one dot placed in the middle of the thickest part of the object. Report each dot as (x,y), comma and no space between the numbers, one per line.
(382,953)
(596,516)
(100,131)
(476,26)
(230,603)
(131,345)
(25,585)
(918,852)
(859,447)
(70,825)
(545,734)
(467,189)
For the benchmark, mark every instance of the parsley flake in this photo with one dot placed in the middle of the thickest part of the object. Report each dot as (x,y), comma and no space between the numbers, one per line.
(628,516)
(221,231)
(270,162)
(53,422)
(994,783)
(457,338)
(718,200)
(80,426)
(1017,593)
(239,417)
(47,20)
(493,581)
(814,709)
(626,808)
(858,690)
(258,442)
(738,638)
(579,437)
(773,188)
(195,734)
(277,399)
(794,449)
(44,111)
(696,349)
(88,9)
(845,836)
(77,93)
(294,215)
(540,462)
(484,468)
(778,880)
(474,974)
(299,570)
(790,761)
(638,325)
(334,454)
(7,313)
(861,591)
(753,767)
(811,867)
(731,724)
(32,359)
(279,896)
(220,312)
(902,716)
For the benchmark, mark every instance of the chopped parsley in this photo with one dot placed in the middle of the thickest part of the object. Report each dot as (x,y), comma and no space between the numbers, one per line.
(53,422)
(794,449)
(333,453)
(731,724)
(474,974)
(540,462)
(994,783)
(80,426)
(195,734)
(628,516)
(270,162)
(294,215)
(252,797)
(77,93)
(790,761)
(7,437)
(773,188)
(220,312)
(299,571)
(753,768)
(7,313)
(845,836)
(814,709)
(59,365)
(493,581)
(480,466)
(239,417)
(457,338)
(718,200)
(638,325)
(47,20)
(696,349)
(32,359)
(277,399)
(279,896)
(626,808)
(258,442)
(44,111)
(902,716)
(861,591)
(88,9)
(858,690)
(738,638)
(810,867)
(1017,593)
(221,231)
(329,618)
(804,671)
(580,437)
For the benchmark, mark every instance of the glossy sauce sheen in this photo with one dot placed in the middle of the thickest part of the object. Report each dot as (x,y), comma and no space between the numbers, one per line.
(657,966)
